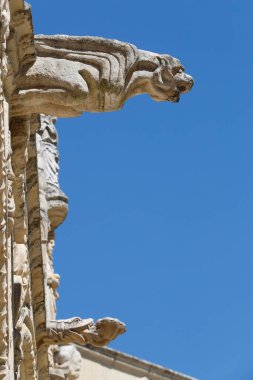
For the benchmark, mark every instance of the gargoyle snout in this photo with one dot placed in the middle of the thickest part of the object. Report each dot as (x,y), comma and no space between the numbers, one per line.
(190,82)
(185,83)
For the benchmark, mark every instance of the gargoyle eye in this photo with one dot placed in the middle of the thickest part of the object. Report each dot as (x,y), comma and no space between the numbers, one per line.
(178,70)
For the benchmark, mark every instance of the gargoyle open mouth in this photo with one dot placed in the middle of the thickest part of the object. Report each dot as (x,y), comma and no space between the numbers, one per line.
(186,88)
(175,97)
(182,88)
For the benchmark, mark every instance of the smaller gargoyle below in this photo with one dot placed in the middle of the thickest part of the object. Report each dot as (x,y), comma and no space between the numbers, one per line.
(83,331)
(72,75)
(68,361)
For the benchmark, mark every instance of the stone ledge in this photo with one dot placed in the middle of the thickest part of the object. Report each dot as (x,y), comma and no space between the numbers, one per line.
(129,364)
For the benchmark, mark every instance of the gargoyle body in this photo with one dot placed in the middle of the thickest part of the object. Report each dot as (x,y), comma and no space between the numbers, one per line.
(83,331)
(76,74)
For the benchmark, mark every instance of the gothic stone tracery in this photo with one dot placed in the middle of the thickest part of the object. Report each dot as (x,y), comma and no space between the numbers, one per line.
(60,76)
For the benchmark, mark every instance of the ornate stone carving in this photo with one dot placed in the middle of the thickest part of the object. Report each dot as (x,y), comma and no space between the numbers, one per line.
(19,128)
(64,361)
(83,331)
(76,74)
(73,330)
(38,227)
(24,336)
(68,361)
(56,199)
(21,53)
(6,367)
(53,279)
(24,342)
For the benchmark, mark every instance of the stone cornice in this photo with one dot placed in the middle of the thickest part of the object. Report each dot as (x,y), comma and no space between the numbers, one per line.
(129,364)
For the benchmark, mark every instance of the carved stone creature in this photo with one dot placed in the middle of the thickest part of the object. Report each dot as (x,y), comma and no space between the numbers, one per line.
(83,331)
(76,74)
(68,360)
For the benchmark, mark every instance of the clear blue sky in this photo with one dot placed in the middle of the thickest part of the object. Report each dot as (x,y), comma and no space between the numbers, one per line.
(159,231)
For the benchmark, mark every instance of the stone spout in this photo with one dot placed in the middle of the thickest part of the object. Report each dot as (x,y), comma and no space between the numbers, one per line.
(72,75)
(83,331)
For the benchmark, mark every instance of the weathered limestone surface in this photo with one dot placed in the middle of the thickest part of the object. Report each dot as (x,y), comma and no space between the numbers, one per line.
(105,363)
(59,76)
(6,221)
(76,74)
(57,201)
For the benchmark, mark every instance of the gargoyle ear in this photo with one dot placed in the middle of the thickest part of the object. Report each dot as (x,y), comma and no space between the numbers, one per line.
(160,60)
(163,68)
(158,75)
(160,71)
(162,77)
(165,73)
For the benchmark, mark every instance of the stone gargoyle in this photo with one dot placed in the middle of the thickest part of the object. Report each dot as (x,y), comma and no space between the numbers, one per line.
(71,75)
(83,331)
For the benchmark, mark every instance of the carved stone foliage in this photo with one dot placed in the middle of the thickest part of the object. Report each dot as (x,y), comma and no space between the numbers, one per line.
(76,74)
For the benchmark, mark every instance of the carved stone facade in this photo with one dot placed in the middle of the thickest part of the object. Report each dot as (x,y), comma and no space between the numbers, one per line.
(58,76)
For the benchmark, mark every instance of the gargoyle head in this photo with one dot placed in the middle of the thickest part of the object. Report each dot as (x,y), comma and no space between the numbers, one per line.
(169,80)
